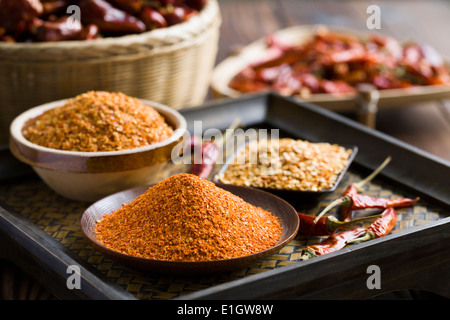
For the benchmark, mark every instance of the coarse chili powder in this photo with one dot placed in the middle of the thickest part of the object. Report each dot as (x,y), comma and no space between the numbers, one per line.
(186,218)
(98,121)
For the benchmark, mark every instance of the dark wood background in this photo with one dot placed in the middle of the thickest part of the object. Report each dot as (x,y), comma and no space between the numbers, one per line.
(424,125)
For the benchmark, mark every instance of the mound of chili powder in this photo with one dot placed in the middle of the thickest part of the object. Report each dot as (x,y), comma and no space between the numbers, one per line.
(98,121)
(186,218)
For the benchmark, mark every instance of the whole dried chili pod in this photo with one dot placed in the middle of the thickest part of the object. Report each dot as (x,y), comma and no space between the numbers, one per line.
(325,225)
(380,227)
(152,18)
(177,14)
(356,187)
(61,31)
(338,240)
(359,201)
(195,142)
(362,201)
(334,242)
(109,19)
(58,30)
(210,152)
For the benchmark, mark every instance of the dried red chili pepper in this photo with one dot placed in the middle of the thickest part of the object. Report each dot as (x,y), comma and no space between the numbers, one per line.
(352,189)
(209,154)
(338,240)
(109,20)
(380,227)
(360,201)
(177,14)
(16,15)
(345,212)
(195,142)
(60,30)
(334,242)
(152,18)
(352,200)
(325,225)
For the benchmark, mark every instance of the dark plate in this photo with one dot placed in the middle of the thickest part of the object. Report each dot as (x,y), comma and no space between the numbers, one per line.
(297,195)
(280,208)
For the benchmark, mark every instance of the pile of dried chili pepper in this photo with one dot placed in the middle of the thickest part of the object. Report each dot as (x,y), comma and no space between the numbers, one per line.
(335,63)
(350,201)
(338,240)
(52,20)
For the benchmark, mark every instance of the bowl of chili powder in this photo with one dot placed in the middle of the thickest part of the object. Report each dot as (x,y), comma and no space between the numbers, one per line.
(96,143)
(188,225)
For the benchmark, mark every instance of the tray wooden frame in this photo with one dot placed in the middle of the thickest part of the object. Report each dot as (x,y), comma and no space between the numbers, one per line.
(417,258)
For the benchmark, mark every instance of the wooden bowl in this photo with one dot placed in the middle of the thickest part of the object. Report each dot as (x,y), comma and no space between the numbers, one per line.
(90,176)
(277,206)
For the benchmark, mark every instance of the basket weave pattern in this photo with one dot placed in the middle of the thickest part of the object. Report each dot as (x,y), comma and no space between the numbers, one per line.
(172,66)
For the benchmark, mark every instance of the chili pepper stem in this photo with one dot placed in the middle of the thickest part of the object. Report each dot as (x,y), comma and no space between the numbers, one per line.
(366,237)
(307,254)
(346,223)
(358,185)
(221,142)
(333,204)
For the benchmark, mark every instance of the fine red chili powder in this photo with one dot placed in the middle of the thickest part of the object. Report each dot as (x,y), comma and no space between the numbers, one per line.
(186,218)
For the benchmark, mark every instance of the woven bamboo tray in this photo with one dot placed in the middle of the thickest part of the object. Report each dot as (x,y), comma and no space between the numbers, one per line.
(171,66)
(40,231)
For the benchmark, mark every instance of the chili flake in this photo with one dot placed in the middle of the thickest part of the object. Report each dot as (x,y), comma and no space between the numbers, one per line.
(288,164)
(98,121)
(186,218)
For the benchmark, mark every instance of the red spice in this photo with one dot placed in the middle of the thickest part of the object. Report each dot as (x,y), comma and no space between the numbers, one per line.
(186,218)
(98,121)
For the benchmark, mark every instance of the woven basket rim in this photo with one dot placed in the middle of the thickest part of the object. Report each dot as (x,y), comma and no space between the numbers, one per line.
(156,38)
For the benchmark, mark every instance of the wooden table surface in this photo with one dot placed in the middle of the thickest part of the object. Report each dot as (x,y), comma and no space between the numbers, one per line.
(423,125)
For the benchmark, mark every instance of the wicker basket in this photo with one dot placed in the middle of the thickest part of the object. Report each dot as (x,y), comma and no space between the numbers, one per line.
(172,66)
